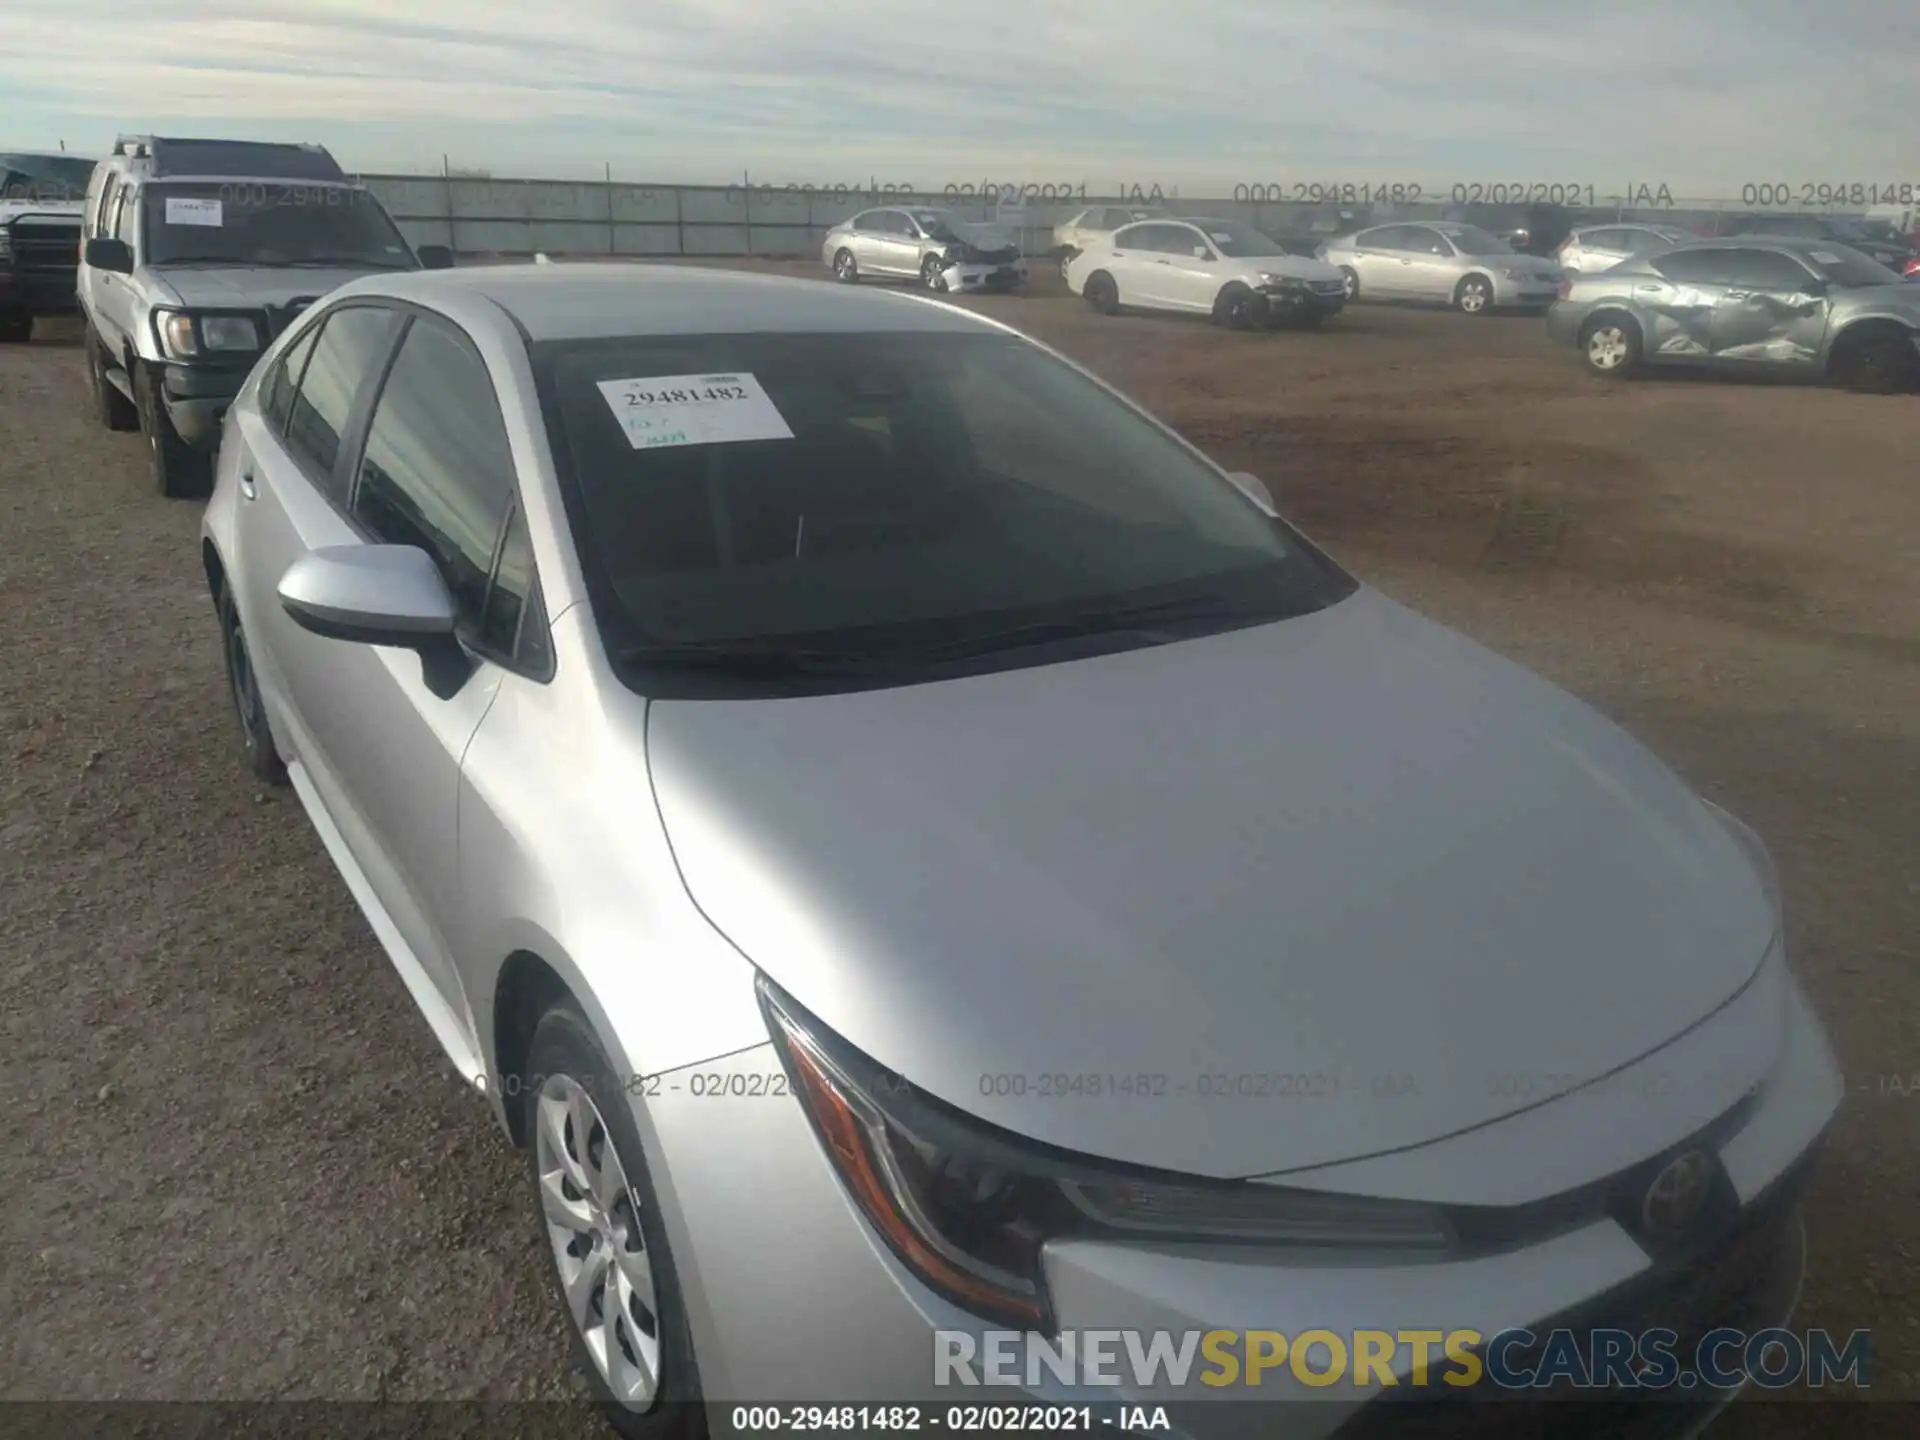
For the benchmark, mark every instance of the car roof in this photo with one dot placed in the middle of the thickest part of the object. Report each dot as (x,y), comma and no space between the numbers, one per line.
(591,301)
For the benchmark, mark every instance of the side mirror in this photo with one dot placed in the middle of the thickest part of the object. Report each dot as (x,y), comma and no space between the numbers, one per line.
(434,257)
(370,595)
(1200,252)
(388,595)
(1255,489)
(105,253)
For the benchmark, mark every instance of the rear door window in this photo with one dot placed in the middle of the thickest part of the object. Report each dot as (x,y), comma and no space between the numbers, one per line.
(354,341)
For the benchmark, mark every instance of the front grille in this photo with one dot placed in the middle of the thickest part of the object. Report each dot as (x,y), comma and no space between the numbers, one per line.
(1329,287)
(1003,256)
(281,316)
(45,247)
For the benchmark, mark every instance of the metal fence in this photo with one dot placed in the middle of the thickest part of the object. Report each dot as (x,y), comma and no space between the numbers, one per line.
(476,216)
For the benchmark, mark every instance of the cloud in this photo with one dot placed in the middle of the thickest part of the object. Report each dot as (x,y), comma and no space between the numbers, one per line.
(1702,97)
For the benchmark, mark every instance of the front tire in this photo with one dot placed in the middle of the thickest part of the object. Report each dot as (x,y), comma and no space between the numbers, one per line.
(112,409)
(179,471)
(1101,294)
(1611,346)
(1351,277)
(933,274)
(846,269)
(256,738)
(1880,363)
(1066,261)
(599,1219)
(1238,308)
(16,327)
(1474,296)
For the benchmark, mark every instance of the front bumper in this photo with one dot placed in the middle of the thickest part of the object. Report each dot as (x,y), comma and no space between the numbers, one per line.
(1564,319)
(989,275)
(758,1276)
(197,398)
(1286,304)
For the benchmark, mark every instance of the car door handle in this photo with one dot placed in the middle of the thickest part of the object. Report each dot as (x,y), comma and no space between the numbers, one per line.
(248,490)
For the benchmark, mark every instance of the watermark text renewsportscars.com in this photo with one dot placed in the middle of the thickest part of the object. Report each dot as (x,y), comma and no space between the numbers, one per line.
(1222,1361)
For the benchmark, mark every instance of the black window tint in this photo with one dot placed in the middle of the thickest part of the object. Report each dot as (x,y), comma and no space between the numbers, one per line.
(103,207)
(1768,270)
(513,580)
(866,224)
(1607,239)
(1696,267)
(1427,242)
(1157,239)
(436,471)
(276,392)
(1387,237)
(352,341)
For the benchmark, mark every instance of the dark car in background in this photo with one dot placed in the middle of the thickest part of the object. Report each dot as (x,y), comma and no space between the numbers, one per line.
(1530,229)
(1876,239)
(41,200)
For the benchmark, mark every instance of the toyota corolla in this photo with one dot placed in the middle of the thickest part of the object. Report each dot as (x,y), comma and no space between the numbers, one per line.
(907,844)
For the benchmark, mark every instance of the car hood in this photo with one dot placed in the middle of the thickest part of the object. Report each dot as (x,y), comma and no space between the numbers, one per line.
(1352,845)
(241,285)
(1294,267)
(63,209)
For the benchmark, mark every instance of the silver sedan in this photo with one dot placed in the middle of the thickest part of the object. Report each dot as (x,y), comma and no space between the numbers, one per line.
(1590,249)
(930,245)
(885,823)
(1444,262)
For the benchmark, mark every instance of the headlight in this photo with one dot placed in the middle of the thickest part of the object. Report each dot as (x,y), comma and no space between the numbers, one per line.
(1282,282)
(186,336)
(1756,851)
(968,1207)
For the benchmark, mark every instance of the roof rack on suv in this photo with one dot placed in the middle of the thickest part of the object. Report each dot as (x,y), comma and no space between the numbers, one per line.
(238,159)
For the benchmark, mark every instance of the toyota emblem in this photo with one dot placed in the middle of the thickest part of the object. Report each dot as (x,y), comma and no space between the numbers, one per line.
(1677,1195)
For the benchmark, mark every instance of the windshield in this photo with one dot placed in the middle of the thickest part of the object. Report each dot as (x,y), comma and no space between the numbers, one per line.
(1849,269)
(1472,240)
(249,223)
(878,493)
(44,177)
(1239,241)
(940,225)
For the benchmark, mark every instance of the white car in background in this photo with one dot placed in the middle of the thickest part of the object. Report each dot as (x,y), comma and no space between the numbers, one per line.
(1095,226)
(1222,268)
(1592,248)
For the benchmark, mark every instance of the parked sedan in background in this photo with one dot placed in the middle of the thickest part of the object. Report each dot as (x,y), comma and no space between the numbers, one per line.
(1756,303)
(760,721)
(1222,268)
(1095,226)
(933,246)
(1592,248)
(1454,264)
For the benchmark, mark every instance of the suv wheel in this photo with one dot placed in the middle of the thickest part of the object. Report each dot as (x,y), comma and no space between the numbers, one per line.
(599,1220)
(179,471)
(110,407)
(16,327)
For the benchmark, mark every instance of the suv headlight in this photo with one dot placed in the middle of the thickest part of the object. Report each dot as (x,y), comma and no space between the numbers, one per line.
(186,335)
(968,1207)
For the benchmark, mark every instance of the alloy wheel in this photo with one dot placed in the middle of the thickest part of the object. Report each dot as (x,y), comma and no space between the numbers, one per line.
(1474,297)
(593,1225)
(1608,348)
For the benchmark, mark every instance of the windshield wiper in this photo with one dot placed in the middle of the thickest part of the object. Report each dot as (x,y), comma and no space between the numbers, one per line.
(738,659)
(1154,619)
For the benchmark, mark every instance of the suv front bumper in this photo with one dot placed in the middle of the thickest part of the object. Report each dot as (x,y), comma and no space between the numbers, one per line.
(197,398)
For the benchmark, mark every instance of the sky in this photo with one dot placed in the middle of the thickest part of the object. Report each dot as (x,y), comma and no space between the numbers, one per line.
(1703,96)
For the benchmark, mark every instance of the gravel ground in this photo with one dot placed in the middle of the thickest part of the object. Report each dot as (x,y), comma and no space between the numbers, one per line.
(239,1168)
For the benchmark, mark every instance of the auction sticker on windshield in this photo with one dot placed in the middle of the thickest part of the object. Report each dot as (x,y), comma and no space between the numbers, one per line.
(185,210)
(693,410)
(1826,257)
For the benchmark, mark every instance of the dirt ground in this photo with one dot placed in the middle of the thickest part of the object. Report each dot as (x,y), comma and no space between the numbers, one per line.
(238,1167)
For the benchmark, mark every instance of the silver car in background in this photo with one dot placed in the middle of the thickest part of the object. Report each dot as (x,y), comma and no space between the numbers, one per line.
(1095,226)
(870,809)
(1758,303)
(1590,249)
(1443,262)
(934,246)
